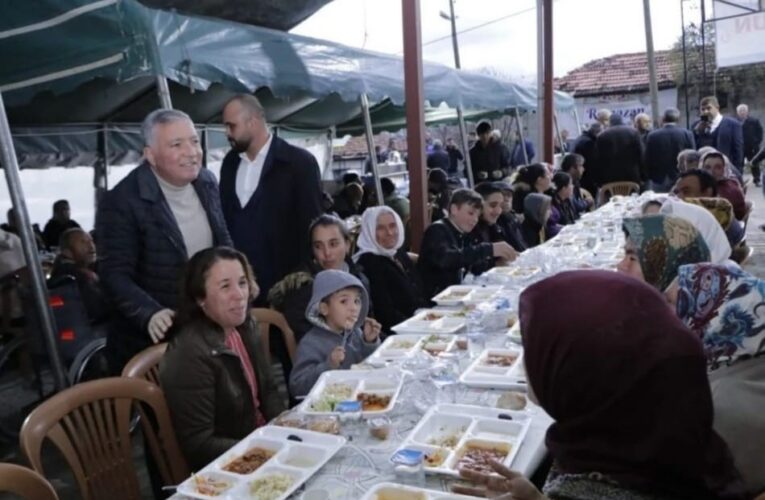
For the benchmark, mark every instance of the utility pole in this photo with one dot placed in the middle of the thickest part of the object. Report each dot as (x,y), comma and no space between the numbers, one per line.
(685,66)
(652,84)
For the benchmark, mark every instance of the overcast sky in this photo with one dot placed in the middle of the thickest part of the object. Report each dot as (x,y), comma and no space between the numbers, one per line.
(583,30)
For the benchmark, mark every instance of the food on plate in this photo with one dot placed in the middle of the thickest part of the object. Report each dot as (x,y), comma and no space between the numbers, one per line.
(331,395)
(447,439)
(434,350)
(401,495)
(402,344)
(512,400)
(478,458)
(435,458)
(325,425)
(270,487)
(373,402)
(511,321)
(462,344)
(250,461)
(210,486)
(499,359)
(431,316)
(436,339)
(454,295)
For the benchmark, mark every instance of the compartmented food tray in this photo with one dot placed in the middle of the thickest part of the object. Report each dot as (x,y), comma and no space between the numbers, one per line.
(454,436)
(497,368)
(392,491)
(377,391)
(457,295)
(405,345)
(434,321)
(269,464)
(512,272)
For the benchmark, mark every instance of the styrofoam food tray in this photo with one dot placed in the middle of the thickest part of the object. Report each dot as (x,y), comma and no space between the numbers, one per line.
(463,425)
(297,459)
(379,382)
(465,294)
(392,491)
(512,272)
(481,373)
(515,333)
(404,345)
(433,321)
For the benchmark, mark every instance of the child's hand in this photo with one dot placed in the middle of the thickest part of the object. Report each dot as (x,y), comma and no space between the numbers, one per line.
(337,356)
(371,329)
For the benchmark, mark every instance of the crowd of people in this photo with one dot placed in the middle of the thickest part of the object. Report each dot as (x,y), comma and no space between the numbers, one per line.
(654,380)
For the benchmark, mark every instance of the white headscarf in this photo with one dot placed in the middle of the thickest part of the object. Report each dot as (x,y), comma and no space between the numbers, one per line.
(367,242)
(705,223)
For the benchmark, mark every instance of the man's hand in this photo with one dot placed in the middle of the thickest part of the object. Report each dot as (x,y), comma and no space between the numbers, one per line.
(160,323)
(336,357)
(509,485)
(503,251)
(371,329)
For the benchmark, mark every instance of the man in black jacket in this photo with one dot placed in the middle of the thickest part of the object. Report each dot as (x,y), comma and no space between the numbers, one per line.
(752,138)
(448,250)
(270,191)
(148,226)
(662,148)
(586,147)
(620,154)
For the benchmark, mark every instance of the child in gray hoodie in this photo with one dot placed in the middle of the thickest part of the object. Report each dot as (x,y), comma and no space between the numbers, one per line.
(342,334)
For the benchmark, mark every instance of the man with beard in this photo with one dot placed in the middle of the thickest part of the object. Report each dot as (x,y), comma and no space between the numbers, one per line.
(270,192)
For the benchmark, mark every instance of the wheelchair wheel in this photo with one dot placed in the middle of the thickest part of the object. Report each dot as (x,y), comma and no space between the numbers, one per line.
(90,363)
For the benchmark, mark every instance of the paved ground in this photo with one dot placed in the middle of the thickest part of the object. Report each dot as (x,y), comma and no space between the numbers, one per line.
(755,236)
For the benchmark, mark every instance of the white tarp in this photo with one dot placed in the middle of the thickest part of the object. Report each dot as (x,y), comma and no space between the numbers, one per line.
(740,40)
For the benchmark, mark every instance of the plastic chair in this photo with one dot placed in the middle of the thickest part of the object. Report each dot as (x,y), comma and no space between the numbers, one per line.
(90,425)
(616,188)
(267,317)
(25,483)
(145,364)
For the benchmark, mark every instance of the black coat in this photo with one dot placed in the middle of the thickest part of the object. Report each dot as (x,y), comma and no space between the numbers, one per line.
(586,146)
(728,138)
(439,158)
(620,156)
(395,287)
(445,255)
(142,254)
(662,147)
(272,229)
(511,231)
(752,129)
(490,162)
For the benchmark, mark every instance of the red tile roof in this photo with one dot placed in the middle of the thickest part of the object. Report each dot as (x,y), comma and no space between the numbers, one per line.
(620,73)
(357,146)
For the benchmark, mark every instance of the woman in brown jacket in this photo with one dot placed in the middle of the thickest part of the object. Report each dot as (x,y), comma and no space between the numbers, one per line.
(215,376)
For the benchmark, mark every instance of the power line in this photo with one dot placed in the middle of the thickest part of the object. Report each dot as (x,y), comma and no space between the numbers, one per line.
(473,28)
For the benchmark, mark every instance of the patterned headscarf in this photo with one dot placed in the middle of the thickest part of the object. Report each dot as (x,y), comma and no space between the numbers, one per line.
(664,243)
(719,207)
(721,304)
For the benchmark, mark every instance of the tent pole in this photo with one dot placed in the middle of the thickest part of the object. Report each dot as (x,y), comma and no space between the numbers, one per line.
(465,148)
(520,135)
(415,120)
(371,147)
(29,245)
(100,179)
(205,146)
(578,123)
(557,134)
(460,117)
(163,91)
(328,163)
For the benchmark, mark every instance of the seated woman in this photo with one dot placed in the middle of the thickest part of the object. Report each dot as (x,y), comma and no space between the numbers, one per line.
(330,243)
(563,211)
(657,245)
(536,219)
(637,422)
(488,230)
(393,280)
(728,186)
(709,227)
(530,179)
(215,376)
(719,304)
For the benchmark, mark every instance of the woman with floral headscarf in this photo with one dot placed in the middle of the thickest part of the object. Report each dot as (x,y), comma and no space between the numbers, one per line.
(625,383)
(394,284)
(725,307)
(657,245)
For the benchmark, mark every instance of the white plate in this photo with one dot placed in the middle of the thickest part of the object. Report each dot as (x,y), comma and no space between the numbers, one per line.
(480,373)
(381,382)
(392,491)
(465,294)
(297,459)
(433,321)
(484,427)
